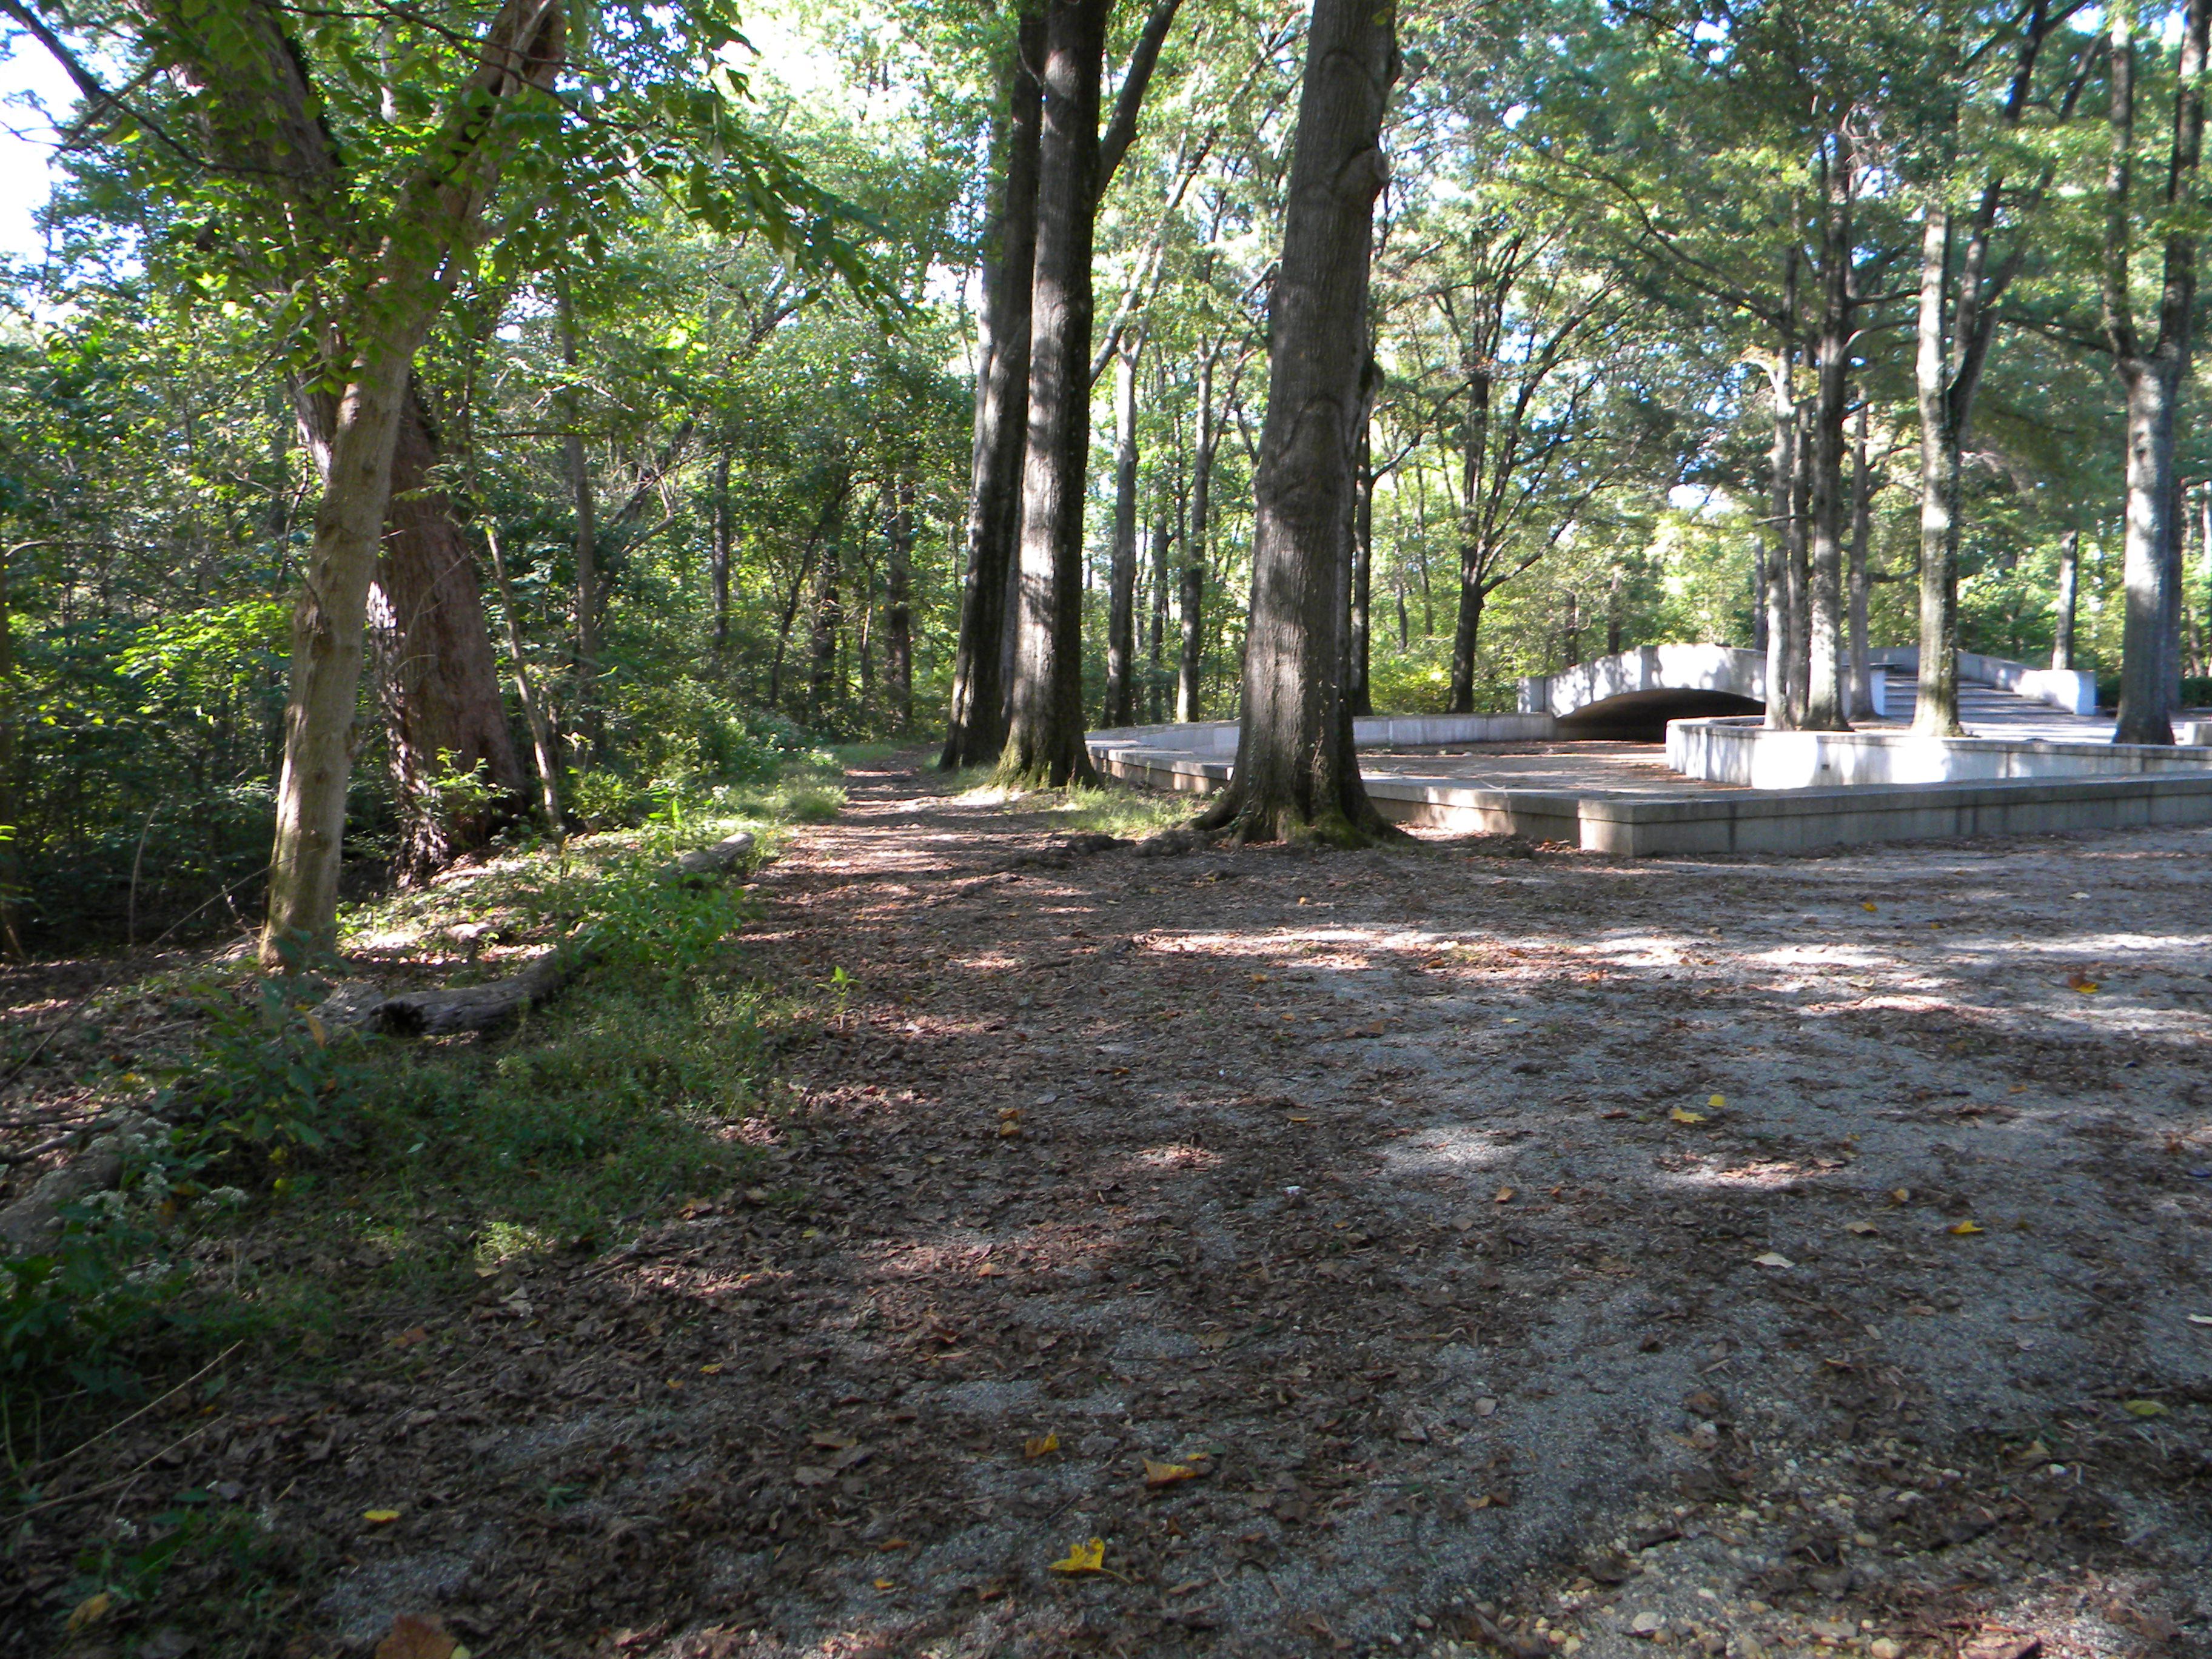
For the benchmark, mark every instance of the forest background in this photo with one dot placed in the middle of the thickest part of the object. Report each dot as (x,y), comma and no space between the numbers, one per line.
(703,482)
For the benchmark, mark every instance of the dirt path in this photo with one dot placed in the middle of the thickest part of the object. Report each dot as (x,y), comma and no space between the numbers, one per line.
(1483,1254)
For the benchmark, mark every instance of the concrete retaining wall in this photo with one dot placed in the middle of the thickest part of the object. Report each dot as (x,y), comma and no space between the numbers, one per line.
(1745,753)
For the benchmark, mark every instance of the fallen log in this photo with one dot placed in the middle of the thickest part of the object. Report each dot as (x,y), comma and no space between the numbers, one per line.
(480,1007)
(704,863)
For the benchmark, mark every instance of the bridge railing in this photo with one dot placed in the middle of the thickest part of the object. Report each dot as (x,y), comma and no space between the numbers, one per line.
(2069,689)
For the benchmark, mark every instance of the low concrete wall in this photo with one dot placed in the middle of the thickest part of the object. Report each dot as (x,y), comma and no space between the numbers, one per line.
(1211,738)
(2070,689)
(1746,753)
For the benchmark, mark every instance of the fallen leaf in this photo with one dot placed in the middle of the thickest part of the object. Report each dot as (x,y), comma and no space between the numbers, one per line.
(1774,1259)
(1961,1229)
(714,1369)
(1866,904)
(1504,1196)
(415,1638)
(1037,1445)
(1166,1474)
(90,1611)
(1683,1114)
(409,1337)
(1486,1408)
(883,1583)
(2200,1319)
(379,1517)
(2081,981)
(807,1474)
(1717,1101)
(1089,1556)
(2142,1408)
(1858,1226)
(890,1544)
(1901,1195)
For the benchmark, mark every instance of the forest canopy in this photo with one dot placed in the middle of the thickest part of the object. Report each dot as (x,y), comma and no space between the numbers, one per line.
(639,394)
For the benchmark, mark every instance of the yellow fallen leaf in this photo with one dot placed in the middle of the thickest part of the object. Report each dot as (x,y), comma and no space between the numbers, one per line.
(1166,1474)
(2143,1408)
(1717,1101)
(1902,1194)
(1089,1556)
(883,1584)
(379,1517)
(1037,1445)
(2081,981)
(1774,1259)
(1504,1196)
(90,1611)
(1961,1229)
(1866,904)
(714,1369)
(1684,1115)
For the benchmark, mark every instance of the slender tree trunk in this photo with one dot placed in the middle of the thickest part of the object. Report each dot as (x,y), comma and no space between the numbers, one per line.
(1862,704)
(1044,736)
(1192,598)
(526,691)
(1359,690)
(1474,550)
(1825,704)
(2069,577)
(1798,575)
(590,600)
(1615,596)
(1781,712)
(1936,710)
(1156,694)
(720,553)
(1120,603)
(898,603)
(977,725)
(1760,596)
(828,607)
(1296,776)
(10,802)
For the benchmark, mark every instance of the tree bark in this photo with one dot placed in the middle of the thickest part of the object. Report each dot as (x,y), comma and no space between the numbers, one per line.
(2070,576)
(1296,776)
(1121,593)
(898,603)
(975,726)
(444,711)
(1935,709)
(1861,704)
(1781,707)
(1191,596)
(1359,690)
(1045,727)
(1825,703)
(543,750)
(823,690)
(720,553)
(590,598)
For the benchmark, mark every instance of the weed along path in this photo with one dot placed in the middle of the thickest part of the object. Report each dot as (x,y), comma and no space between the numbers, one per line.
(1445,1250)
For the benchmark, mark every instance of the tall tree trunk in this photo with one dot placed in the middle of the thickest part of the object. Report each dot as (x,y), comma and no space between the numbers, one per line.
(829,608)
(1781,710)
(1044,736)
(2150,374)
(1121,594)
(1359,690)
(1616,600)
(1474,548)
(541,747)
(444,711)
(977,724)
(1824,706)
(1759,592)
(1862,705)
(590,600)
(1191,600)
(1296,776)
(11,809)
(2069,577)
(898,603)
(719,552)
(1936,710)
(1156,693)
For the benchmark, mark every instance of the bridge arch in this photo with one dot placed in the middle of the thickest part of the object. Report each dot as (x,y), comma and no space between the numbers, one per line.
(1632,694)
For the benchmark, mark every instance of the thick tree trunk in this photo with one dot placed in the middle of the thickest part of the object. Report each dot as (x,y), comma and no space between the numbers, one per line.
(1191,597)
(2149,659)
(1045,728)
(2069,577)
(444,713)
(1935,712)
(1826,693)
(977,724)
(1296,776)
(898,604)
(1862,704)
(1121,591)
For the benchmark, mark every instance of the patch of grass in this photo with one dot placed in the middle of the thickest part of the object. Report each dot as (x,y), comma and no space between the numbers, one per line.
(1116,809)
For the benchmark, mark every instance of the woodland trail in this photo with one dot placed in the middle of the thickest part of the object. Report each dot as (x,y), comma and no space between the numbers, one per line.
(1379,1208)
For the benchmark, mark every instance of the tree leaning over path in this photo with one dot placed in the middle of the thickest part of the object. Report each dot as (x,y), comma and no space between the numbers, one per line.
(1297,777)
